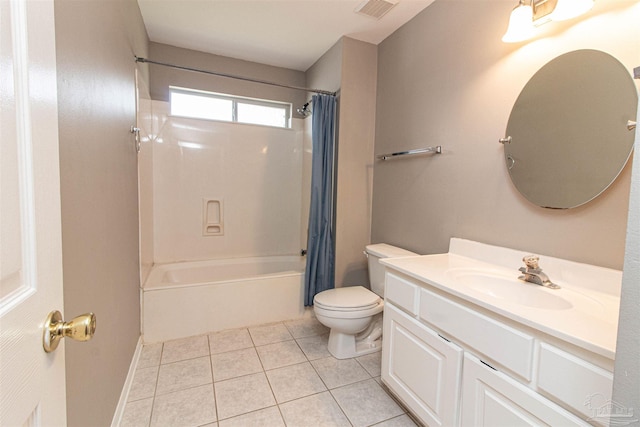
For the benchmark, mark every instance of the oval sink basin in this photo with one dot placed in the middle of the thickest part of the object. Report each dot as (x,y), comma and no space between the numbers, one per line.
(513,290)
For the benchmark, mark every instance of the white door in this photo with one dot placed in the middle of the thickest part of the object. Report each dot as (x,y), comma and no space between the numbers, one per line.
(32,382)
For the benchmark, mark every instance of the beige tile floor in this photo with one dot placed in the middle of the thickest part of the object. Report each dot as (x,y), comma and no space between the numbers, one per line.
(279,374)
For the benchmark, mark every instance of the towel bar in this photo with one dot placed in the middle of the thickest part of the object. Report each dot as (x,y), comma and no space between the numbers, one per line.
(434,150)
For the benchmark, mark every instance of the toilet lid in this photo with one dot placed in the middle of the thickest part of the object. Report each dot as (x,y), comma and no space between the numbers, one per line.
(349,298)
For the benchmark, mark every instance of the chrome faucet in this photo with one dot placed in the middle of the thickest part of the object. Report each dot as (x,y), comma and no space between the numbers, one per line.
(533,273)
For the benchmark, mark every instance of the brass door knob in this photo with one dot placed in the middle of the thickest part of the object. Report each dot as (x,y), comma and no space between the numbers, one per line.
(80,328)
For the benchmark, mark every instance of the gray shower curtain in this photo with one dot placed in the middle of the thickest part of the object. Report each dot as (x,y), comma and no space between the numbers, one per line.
(320,271)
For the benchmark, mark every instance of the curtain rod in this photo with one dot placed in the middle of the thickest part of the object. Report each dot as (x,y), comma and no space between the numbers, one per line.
(231,76)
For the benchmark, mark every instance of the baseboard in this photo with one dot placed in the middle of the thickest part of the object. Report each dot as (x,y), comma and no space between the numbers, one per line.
(124,395)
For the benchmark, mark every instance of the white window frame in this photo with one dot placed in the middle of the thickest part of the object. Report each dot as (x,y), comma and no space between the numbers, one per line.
(235,100)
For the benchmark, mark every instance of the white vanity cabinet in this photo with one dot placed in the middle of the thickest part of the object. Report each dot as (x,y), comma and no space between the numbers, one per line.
(455,364)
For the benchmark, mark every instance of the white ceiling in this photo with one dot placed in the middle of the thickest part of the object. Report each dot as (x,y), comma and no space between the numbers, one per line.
(285,33)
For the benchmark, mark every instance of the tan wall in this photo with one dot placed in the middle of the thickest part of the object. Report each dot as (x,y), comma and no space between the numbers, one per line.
(326,72)
(95,43)
(446,78)
(355,160)
(163,77)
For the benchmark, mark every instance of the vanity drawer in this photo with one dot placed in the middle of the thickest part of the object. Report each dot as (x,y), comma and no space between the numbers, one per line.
(402,293)
(574,381)
(507,346)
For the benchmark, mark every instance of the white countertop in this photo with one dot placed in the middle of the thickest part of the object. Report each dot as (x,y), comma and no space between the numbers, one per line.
(589,297)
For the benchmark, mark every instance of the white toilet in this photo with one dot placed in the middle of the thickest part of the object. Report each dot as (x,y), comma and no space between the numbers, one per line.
(354,314)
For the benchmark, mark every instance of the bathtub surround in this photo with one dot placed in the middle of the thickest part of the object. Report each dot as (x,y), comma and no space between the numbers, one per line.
(255,170)
(320,269)
(241,205)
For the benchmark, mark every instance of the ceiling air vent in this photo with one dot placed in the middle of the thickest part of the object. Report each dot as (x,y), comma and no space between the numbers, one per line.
(375,8)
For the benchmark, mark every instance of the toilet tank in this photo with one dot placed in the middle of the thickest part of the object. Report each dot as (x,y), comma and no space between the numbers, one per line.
(376,270)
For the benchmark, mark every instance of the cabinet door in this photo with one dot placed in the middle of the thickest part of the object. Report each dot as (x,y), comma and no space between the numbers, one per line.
(491,399)
(421,368)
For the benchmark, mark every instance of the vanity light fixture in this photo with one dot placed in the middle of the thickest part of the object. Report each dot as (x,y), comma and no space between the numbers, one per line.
(520,23)
(529,14)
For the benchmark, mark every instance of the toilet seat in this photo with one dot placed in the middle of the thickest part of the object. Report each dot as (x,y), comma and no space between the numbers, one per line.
(320,312)
(354,302)
(354,298)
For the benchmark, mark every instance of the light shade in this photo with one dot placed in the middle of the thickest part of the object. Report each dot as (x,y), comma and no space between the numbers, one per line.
(567,9)
(520,24)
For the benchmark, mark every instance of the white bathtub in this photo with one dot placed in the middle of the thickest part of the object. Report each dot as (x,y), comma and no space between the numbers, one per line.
(193,298)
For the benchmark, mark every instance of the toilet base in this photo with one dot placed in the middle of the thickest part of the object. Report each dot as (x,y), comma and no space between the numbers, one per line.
(346,346)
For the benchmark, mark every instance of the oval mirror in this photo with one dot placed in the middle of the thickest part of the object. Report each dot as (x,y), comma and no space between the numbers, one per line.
(569,131)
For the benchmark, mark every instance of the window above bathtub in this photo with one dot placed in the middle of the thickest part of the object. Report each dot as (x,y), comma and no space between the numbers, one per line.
(214,106)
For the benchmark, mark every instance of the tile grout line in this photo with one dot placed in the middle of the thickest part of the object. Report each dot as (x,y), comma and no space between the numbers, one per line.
(254,347)
(272,392)
(341,408)
(314,370)
(213,381)
(155,389)
(326,386)
(264,372)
